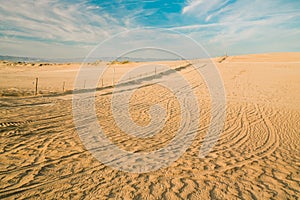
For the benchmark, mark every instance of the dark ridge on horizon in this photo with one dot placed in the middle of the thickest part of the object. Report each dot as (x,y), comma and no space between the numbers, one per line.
(63,60)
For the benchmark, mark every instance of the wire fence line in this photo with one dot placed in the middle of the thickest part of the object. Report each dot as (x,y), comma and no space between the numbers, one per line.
(112,78)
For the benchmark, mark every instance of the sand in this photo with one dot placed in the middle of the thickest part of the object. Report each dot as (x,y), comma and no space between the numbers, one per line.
(256,157)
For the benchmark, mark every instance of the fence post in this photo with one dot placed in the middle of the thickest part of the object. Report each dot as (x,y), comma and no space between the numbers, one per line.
(36,85)
(113,80)
(64,86)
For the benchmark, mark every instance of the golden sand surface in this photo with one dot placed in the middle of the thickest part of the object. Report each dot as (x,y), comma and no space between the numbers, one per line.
(257,155)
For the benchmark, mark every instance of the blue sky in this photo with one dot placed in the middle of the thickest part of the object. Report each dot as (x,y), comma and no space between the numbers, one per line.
(70,29)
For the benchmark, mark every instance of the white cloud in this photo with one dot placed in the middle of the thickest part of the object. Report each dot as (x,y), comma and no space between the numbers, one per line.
(76,27)
(191,6)
(202,7)
(245,25)
(58,20)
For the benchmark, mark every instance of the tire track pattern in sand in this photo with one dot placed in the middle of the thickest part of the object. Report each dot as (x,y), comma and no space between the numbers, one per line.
(256,157)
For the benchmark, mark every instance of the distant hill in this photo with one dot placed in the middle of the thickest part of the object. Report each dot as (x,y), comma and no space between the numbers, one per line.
(62,60)
(22,59)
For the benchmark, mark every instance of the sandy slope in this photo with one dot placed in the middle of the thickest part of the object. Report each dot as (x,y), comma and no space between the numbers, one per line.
(256,157)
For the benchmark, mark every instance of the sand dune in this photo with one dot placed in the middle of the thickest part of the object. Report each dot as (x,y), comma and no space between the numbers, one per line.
(256,157)
(268,57)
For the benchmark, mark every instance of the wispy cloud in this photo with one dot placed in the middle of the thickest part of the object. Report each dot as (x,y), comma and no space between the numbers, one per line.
(39,27)
(71,24)
(57,20)
(244,25)
(203,7)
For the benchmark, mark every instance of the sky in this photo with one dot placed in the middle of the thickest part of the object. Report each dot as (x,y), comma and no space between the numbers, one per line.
(72,29)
